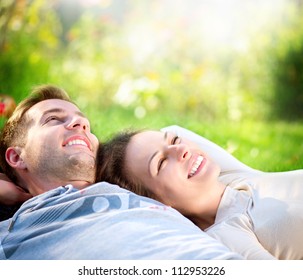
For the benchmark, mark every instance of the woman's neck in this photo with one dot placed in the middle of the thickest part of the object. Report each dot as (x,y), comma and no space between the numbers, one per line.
(205,218)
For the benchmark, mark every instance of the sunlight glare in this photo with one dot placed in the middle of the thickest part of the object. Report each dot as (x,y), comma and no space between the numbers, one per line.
(212,24)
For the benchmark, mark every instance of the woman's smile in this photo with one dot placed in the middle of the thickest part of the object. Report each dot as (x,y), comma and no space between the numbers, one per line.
(196,166)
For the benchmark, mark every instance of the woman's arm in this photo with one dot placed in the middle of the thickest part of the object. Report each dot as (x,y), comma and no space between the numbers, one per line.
(227,162)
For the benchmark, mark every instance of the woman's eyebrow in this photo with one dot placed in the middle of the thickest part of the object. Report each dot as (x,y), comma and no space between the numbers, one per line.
(154,154)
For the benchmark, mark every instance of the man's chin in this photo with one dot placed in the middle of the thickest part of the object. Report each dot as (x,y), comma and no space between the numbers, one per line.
(81,168)
(81,158)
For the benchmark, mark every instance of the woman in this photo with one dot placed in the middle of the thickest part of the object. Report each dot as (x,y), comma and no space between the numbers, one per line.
(257,220)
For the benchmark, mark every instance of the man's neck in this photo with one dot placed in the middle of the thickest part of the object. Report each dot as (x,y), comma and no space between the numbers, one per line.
(38,185)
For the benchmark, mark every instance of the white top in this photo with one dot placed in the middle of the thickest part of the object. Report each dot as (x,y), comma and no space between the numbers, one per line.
(261,213)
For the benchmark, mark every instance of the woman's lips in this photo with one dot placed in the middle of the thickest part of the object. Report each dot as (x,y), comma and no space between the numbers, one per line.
(197,165)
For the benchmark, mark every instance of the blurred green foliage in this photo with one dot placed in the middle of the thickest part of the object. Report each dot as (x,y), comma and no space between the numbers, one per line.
(287,71)
(232,72)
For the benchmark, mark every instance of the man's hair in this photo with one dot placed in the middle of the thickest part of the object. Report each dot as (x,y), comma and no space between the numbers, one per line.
(112,165)
(14,131)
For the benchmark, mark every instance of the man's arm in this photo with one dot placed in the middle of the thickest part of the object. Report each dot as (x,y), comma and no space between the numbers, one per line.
(11,194)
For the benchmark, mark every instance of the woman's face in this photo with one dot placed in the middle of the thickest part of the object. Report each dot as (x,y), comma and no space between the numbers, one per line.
(175,170)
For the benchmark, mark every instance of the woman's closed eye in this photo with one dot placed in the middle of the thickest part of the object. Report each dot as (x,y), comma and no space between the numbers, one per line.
(160,163)
(175,140)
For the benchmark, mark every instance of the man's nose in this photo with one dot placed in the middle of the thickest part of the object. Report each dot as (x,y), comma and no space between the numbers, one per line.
(181,151)
(78,123)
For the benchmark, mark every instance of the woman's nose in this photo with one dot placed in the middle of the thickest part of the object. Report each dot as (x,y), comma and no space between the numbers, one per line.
(181,151)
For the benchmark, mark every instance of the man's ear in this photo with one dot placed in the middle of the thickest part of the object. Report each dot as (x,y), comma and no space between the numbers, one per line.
(14,159)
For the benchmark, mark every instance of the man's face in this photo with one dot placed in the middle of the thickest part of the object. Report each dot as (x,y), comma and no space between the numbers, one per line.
(60,147)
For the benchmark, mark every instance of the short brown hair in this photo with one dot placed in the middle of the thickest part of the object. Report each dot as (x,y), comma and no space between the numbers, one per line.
(15,129)
(112,165)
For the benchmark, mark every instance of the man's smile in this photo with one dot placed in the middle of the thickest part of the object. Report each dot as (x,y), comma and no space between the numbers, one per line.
(77,140)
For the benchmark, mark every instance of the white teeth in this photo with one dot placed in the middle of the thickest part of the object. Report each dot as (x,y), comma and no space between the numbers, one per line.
(76,142)
(195,166)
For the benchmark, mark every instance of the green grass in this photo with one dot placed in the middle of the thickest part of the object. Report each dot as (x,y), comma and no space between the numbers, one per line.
(271,146)
(268,146)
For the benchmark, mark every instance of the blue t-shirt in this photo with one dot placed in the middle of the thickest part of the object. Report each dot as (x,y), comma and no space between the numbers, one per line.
(103,221)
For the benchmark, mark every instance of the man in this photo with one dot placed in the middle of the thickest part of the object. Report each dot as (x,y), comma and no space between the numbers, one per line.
(47,142)
(48,150)
(26,166)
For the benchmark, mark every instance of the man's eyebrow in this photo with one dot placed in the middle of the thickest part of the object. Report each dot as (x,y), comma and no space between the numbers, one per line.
(154,154)
(60,110)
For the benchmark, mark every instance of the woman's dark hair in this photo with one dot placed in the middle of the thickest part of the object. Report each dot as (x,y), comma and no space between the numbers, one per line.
(112,165)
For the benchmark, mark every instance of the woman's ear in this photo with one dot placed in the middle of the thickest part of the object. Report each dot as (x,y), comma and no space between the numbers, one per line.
(14,159)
